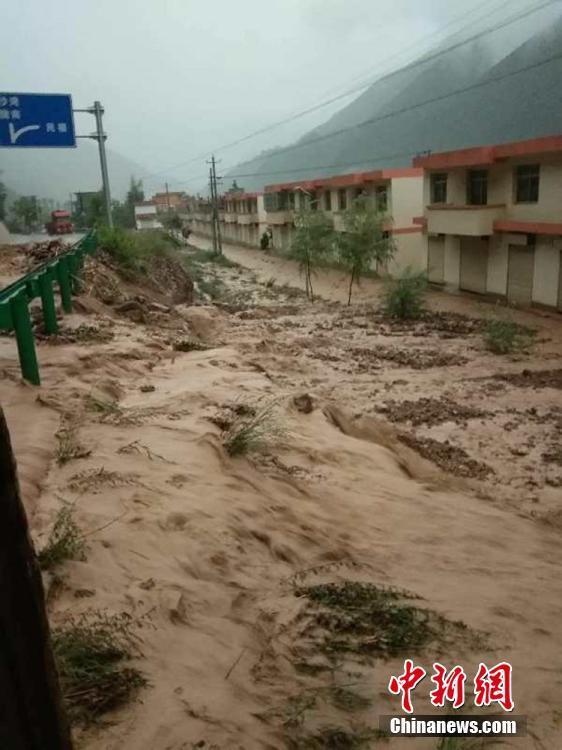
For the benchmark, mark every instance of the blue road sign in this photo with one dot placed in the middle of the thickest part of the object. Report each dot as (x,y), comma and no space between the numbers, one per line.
(36,121)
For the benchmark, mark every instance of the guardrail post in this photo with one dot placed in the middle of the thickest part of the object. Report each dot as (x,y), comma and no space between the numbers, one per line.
(45,281)
(63,277)
(24,338)
(76,260)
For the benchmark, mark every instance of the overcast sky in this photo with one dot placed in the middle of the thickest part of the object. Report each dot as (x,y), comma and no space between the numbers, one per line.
(181,77)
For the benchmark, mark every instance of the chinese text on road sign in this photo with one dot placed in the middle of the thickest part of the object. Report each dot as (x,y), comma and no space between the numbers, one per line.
(36,120)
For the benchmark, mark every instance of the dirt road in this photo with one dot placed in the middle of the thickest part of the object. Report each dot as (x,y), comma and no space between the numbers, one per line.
(421,461)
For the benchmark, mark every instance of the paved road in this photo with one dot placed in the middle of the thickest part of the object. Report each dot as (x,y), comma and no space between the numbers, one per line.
(24,239)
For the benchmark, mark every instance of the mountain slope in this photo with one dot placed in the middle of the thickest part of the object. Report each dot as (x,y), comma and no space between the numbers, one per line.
(54,173)
(497,101)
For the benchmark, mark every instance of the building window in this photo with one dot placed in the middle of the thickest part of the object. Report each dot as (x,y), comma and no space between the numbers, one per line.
(313,201)
(439,187)
(477,187)
(527,183)
(291,201)
(328,200)
(358,193)
(381,197)
(342,199)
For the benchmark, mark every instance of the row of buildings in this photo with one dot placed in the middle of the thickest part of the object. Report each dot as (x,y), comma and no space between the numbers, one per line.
(486,220)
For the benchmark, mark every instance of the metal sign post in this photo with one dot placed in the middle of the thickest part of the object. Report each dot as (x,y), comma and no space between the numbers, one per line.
(46,121)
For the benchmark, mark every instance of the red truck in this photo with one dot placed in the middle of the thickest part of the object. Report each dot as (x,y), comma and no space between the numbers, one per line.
(60,223)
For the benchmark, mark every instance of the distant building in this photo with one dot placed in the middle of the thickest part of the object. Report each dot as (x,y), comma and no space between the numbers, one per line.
(146,215)
(170,201)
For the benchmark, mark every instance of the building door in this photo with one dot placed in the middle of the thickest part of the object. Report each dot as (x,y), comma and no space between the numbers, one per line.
(520,275)
(436,260)
(474,264)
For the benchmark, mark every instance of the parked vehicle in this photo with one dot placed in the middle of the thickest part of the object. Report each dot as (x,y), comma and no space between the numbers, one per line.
(60,223)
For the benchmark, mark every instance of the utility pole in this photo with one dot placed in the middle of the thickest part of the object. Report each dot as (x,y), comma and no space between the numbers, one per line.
(97,110)
(217,240)
(212,188)
(167,196)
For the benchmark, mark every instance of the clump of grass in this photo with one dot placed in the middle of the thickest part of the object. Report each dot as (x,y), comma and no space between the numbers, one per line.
(466,743)
(189,345)
(65,542)
(68,445)
(102,406)
(505,336)
(131,251)
(370,620)
(334,738)
(250,432)
(404,297)
(209,256)
(90,650)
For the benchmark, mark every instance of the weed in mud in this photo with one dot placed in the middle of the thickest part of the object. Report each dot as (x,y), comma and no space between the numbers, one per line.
(506,336)
(404,296)
(197,255)
(348,700)
(68,445)
(90,650)
(370,620)
(105,408)
(189,345)
(95,478)
(334,738)
(65,541)
(254,431)
(461,743)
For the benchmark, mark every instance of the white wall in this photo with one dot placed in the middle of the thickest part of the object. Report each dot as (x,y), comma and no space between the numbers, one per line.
(547,271)
(411,250)
(452,264)
(498,258)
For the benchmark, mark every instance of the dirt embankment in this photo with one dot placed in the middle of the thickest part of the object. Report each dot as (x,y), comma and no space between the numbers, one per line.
(261,575)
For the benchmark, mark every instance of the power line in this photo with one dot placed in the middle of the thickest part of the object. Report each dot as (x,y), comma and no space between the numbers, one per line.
(409,108)
(371,120)
(426,59)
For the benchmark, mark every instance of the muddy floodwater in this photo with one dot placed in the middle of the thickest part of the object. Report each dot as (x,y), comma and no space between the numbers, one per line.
(405,456)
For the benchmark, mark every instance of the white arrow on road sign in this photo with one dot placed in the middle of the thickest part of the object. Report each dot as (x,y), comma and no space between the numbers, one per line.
(15,134)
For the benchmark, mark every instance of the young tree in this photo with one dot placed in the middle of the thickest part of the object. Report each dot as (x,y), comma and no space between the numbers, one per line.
(312,244)
(363,239)
(26,212)
(124,213)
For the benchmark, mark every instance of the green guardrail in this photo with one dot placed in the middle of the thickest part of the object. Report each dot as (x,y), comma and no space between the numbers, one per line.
(64,272)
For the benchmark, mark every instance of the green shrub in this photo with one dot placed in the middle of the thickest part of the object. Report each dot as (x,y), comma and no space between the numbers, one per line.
(90,649)
(404,297)
(65,542)
(252,430)
(505,336)
(132,250)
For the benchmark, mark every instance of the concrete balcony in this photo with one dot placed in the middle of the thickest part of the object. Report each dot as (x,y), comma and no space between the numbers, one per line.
(473,221)
(248,218)
(230,217)
(280,217)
